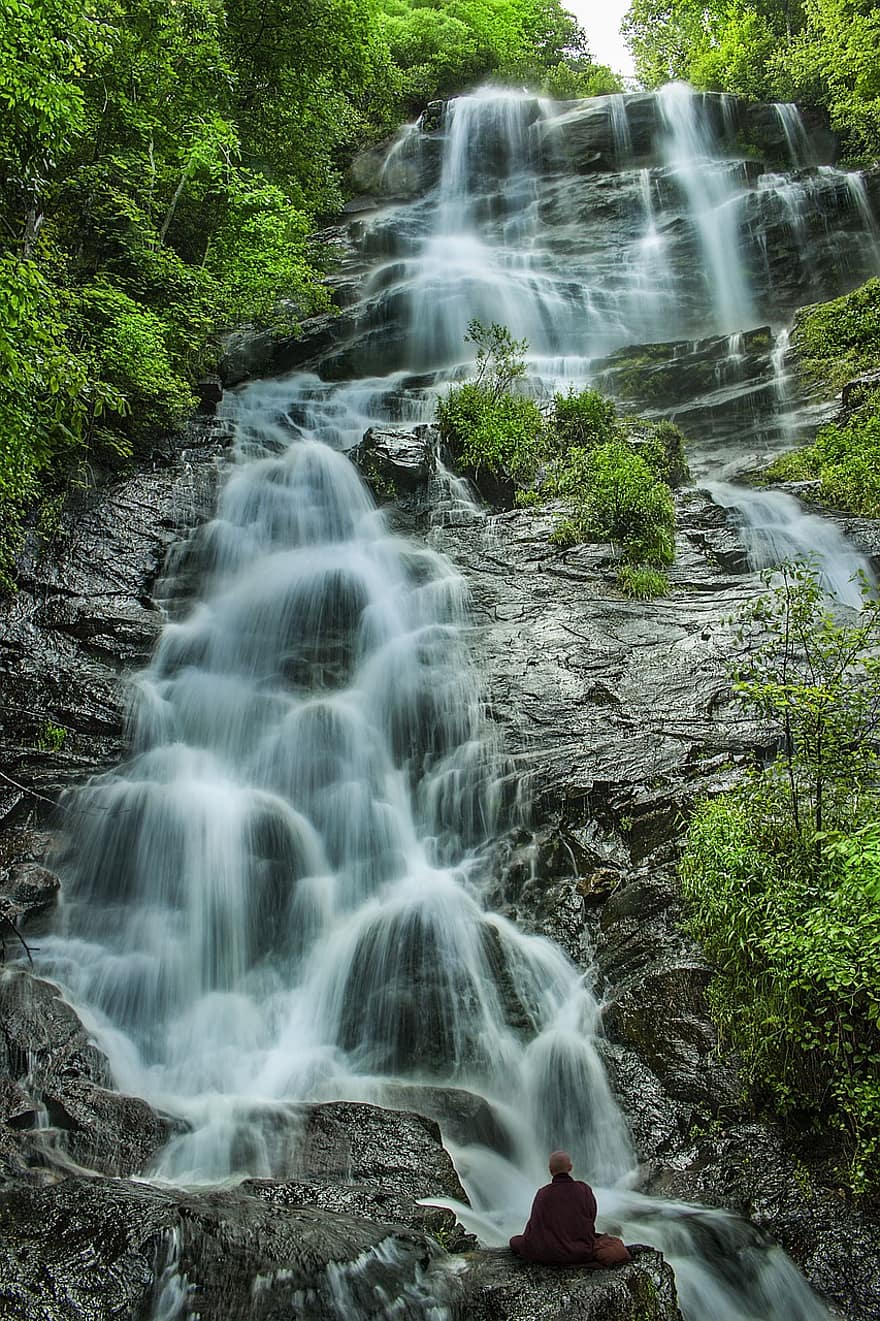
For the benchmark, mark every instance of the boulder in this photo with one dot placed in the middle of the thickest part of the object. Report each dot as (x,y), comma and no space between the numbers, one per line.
(395,462)
(60,1106)
(500,1287)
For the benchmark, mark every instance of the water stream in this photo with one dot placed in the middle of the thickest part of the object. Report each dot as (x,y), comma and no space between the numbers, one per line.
(278,897)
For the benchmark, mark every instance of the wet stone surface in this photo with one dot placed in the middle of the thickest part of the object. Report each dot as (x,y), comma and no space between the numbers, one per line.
(84,615)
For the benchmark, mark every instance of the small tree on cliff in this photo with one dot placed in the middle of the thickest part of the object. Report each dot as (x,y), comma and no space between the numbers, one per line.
(817,679)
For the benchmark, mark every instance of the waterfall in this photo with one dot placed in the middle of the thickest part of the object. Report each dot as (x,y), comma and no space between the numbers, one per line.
(280,896)
(714,189)
(775,528)
(796,139)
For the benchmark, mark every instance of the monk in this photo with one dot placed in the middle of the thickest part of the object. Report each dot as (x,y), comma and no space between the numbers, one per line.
(562,1226)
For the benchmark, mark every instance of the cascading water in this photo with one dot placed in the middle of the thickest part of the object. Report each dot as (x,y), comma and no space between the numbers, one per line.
(278,898)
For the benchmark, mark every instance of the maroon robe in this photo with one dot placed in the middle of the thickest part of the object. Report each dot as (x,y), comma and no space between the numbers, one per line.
(562,1228)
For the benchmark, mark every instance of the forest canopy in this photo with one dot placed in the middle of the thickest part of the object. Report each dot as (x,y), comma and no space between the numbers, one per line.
(162,166)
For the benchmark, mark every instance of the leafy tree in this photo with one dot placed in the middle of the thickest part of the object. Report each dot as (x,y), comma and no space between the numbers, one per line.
(818,681)
(444,45)
(500,357)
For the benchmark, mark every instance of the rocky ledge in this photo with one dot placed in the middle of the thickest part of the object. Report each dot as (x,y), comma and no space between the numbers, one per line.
(99,1249)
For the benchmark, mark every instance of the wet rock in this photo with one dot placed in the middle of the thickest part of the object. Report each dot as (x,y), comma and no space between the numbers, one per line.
(65,1107)
(501,1287)
(395,462)
(463,1117)
(763,127)
(655,983)
(85,612)
(367,1144)
(209,391)
(748,1169)
(26,889)
(89,1250)
(354,1158)
(858,392)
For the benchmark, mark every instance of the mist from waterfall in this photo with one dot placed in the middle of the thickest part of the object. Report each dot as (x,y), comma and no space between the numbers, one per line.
(280,896)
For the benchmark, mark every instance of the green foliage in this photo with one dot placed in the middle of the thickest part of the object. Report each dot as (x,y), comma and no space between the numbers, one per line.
(499,433)
(795,937)
(615,496)
(52,737)
(614,490)
(441,46)
(500,357)
(641,582)
(46,398)
(782,875)
(584,418)
(818,681)
(573,80)
(846,461)
(835,341)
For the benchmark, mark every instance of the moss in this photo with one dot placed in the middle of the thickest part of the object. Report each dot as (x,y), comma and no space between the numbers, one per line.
(835,341)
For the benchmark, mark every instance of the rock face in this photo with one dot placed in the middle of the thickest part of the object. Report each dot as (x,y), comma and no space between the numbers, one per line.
(619,716)
(395,462)
(84,614)
(591,160)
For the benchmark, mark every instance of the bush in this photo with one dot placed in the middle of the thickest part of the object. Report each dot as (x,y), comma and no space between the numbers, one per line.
(616,497)
(500,433)
(615,488)
(641,582)
(583,419)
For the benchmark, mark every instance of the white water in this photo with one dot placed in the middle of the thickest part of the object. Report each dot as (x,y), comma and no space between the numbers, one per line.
(279,897)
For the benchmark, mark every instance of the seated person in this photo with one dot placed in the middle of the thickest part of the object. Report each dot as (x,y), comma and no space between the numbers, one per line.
(562,1226)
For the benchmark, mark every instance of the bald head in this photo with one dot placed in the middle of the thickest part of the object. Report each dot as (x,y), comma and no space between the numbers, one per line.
(560,1162)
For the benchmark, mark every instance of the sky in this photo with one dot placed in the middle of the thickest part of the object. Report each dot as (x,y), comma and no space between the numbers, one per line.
(600,19)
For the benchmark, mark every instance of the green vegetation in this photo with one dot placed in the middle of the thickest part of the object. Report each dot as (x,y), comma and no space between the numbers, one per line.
(52,737)
(820,53)
(437,47)
(616,495)
(641,582)
(834,342)
(615,485)
(163,167)
(837,340)
(782,875)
